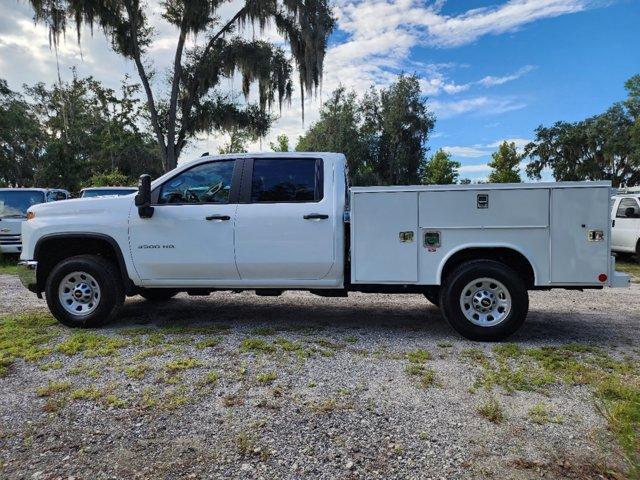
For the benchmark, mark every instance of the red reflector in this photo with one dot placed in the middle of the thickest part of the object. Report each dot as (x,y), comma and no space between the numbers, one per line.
(602,277)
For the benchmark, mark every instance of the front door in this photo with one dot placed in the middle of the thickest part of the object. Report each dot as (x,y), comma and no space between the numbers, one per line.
(285,221)
(624,232)
(190,235)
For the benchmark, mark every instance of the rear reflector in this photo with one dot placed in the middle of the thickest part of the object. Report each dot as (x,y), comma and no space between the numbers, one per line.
(602,277)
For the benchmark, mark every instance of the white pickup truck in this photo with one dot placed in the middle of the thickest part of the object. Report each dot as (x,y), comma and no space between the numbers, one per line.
(280,221)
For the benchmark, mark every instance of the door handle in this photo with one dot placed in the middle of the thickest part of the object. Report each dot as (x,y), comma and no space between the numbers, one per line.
(314,216)
(218,217)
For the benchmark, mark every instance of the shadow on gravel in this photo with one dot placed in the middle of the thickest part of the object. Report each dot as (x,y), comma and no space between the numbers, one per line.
(241,312)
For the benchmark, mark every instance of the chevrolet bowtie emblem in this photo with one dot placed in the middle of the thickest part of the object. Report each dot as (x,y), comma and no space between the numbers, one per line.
(5,230)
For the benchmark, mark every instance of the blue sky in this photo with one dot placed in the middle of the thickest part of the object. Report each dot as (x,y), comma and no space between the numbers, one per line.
(492,69)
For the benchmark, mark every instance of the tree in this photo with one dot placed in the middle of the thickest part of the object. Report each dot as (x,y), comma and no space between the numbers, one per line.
(339,130)
(383,136)
(602,147)
(440,169)
(237,142)
(505,164)
(21,139)
(113,178)
(194,103)
(281,145)
(89,129)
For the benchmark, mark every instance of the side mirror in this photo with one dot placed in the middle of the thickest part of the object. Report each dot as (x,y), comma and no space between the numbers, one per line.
(630,212)
(143,198)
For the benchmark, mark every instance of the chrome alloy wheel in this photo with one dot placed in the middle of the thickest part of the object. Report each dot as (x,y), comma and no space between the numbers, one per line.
(79,293)
(485,302)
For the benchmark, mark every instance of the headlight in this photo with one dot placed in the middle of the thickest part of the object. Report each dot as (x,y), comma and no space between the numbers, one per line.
(31,215)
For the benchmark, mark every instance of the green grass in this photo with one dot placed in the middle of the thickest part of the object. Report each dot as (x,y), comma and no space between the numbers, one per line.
(491,410)
(630,267)
(181,364)
(25,336)
(266,377)
(53,388)
(615,384)
(137,371)
(91,345)
(8,265)
(256,345)
(418,356)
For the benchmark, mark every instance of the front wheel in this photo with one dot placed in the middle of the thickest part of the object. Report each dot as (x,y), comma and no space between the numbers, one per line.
(84,291)
(484,300)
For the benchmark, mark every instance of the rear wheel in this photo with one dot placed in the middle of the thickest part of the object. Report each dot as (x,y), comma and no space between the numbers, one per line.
(158,294)
(84,291)
(484,300)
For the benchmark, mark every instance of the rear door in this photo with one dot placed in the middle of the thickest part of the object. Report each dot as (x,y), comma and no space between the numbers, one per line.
(285,220)
(576,256)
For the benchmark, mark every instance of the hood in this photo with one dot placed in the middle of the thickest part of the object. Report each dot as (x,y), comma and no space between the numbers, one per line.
(10,226)
(82,206)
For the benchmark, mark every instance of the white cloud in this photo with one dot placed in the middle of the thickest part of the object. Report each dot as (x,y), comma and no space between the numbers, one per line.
(484,150)
(482,105)
(480,168)
(490,80)
(468,152)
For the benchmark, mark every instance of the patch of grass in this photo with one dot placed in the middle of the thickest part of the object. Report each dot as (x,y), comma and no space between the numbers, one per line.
(211,378)
(137,371)
(87,393)
(426,374)
(266,377)
(418,356)
(541,414)
(264,331)
(629,267)
(149,353)
(491,410)
(53,388)
(474,355)
(245,444)
(91,345)
(155,339)
(181,364)
(445,344)
(287,345)
(256,345)
(8,265)
(114,401)
(324,343)
(351,339)
(208,343)
(176,398)
(54,365)
(325,406)
(25,336)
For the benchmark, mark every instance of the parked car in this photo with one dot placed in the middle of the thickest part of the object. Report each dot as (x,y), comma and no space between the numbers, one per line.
(625,224)
(106,191)
(279,221)
(14,203)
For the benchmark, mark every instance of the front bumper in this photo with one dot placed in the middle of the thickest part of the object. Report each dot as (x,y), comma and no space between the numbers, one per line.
(10,248)
(27,274)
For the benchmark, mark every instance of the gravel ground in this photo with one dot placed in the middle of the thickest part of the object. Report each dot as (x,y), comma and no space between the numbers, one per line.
(341,404)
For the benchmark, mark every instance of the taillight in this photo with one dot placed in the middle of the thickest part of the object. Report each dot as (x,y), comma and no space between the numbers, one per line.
(602,277)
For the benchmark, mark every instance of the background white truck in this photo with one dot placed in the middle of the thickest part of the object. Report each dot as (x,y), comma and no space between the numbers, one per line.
(278,221)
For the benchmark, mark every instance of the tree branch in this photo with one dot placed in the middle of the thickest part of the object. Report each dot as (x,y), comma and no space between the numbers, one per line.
(137,57)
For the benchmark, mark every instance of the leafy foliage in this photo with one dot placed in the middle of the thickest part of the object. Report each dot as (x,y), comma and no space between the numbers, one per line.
(440,169)
(602,147)
(281,144)
(505,164)
(383,136)
(193,103)
(112,178)
(68,132)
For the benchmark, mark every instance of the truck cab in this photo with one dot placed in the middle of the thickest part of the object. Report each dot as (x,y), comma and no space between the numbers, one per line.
(276,221)
(625,224)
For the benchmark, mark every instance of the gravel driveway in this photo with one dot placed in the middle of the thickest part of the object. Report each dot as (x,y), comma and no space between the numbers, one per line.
(298,386)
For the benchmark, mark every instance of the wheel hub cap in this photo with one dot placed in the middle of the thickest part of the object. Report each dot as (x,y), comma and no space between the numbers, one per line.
(79,293)
(485,302)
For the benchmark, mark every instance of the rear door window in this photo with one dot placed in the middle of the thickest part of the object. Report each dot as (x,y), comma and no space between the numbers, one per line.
(626,203)
(286,180)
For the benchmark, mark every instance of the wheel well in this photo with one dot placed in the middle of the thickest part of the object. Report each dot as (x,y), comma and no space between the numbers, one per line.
(50,251)
(507,256)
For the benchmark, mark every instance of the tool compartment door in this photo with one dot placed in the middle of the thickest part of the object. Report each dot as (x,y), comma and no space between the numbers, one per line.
(384,237)
(575,259)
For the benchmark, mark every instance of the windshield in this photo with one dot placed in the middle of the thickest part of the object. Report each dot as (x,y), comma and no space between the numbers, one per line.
(15,203)
(103,193)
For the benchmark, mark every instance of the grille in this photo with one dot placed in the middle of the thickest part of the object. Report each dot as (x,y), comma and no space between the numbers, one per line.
(10,239)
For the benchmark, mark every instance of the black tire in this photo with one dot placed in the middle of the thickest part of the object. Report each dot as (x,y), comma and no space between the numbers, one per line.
(452,289)
(106,276)
(158,294)
(433,295)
